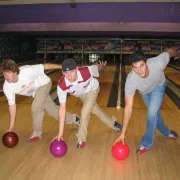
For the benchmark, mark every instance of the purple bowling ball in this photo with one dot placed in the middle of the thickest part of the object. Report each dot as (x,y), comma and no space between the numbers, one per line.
(58,148)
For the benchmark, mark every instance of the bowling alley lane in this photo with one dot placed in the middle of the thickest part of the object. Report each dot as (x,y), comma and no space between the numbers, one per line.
(173,75)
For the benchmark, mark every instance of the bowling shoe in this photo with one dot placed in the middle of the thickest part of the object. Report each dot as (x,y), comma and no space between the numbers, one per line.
(80,144)
(76,119)
(33,138)
(172,135)
(117,126)
(141,150)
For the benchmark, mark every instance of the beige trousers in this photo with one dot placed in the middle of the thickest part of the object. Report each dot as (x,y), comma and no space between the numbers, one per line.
(42,101)
(90,106)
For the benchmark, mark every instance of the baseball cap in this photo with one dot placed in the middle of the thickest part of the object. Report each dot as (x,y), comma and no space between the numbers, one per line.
(68,65)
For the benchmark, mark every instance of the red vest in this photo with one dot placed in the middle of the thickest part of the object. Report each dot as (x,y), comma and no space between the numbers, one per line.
(86,75)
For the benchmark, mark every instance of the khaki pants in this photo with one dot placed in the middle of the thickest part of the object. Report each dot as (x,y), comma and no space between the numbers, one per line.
(42,101)
(90,106)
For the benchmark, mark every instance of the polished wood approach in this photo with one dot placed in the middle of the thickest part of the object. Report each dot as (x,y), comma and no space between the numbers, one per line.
(173,75)
(94,162)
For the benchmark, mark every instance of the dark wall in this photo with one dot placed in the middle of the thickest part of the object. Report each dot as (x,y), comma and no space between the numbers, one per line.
(20,48)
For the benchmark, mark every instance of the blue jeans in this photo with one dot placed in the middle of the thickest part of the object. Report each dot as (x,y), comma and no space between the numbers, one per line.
(153,101)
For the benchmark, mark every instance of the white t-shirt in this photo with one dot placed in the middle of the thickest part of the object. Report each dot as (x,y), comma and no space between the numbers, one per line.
(156,66)
(78,89)
(30,78)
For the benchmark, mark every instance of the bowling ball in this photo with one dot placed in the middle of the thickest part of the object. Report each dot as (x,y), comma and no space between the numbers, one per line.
(10,139)
(120,151)
(58,148)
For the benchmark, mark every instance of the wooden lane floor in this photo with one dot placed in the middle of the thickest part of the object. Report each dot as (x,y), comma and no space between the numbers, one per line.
(173,75)
(173,84)
(94,162)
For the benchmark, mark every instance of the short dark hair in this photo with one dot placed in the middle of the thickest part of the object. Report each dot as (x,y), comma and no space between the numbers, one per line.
(9,65)
(137,56)
(68,65)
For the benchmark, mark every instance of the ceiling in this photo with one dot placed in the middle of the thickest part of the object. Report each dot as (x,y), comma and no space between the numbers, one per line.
(8,2)
(97,16)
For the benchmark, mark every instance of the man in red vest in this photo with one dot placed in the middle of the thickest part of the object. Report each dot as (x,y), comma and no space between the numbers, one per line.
(81,82)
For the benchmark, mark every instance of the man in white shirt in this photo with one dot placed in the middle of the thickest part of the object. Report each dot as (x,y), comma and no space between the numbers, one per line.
(81,83)
(30,80)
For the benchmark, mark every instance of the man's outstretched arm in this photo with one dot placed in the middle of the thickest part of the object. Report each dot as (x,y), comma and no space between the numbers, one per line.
(174,51)
(50,66)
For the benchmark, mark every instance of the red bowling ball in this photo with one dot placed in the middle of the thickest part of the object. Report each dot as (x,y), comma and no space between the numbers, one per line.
(120,151)
(10,139)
